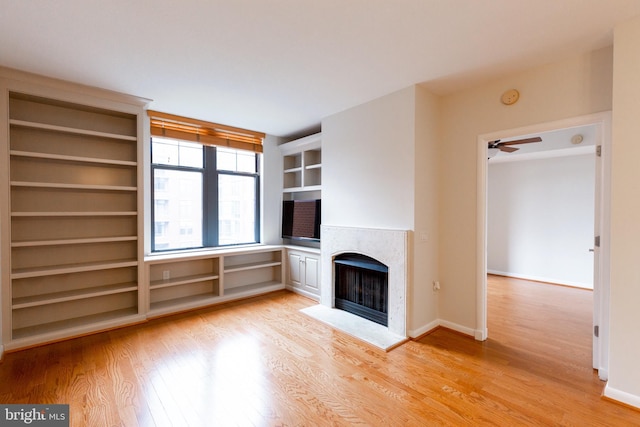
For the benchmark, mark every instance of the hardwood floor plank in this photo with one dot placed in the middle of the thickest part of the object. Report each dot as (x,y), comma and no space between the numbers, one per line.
(260,362)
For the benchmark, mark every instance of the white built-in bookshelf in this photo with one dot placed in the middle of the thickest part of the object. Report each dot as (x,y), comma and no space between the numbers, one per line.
(71,240)
(72,202)
(180,282)
(302,167)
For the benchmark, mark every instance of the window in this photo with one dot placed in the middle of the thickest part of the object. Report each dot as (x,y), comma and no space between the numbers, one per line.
(203,196)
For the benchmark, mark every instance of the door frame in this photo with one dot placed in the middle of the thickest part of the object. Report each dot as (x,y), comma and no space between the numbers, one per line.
(601,288)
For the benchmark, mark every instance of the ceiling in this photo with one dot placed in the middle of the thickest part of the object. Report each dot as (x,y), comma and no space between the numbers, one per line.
(280,66)
(555,143)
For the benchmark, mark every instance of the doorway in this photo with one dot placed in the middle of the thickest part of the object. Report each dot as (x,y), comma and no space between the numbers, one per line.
(601,122)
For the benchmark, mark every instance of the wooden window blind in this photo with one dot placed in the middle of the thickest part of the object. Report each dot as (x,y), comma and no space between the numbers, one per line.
(206,133)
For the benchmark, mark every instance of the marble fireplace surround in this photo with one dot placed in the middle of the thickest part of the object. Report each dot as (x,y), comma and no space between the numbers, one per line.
(387,246)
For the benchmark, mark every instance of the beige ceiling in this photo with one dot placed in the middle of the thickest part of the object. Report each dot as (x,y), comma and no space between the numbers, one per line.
(280,66)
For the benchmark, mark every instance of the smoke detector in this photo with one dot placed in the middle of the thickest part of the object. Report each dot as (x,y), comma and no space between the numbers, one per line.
(576,139)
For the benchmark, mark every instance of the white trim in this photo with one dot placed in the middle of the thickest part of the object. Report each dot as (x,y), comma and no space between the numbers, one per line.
(302,292)
(481,238)
(459,328)
(601,287)
(446,324)
(551,280)
(415,333)
(622,396)
(549,154)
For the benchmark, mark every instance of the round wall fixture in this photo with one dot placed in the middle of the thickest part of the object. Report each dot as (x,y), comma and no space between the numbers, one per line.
(510,97)
(576,139)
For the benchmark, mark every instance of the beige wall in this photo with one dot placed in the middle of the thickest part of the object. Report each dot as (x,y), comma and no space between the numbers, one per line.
(379,170)
(624,375)
(424,302)
(579,85)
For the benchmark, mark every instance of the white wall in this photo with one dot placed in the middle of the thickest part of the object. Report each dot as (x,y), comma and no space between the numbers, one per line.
(271,183)
(379,170)
(367,164)
(624,355)
(541,219)
(578,86)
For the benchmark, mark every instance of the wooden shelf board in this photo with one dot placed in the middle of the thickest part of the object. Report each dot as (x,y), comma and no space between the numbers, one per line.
(314,166)
(36,243)
(292,189)
(203,300)
(57,297)
(83,324)
(251,266)
(182,304)
(293,170)
(71,214)
(71,268)
(60,185)
(253,289)
(66,129)
(72,158)
(302,189)
(159,284)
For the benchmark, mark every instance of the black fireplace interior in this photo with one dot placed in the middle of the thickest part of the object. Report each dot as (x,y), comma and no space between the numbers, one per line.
(361,286)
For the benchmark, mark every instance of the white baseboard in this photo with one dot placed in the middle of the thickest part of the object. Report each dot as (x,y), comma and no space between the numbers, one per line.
(622,396)
(542,279)
(302,292)
(415,333)
(458,328)
(424,329)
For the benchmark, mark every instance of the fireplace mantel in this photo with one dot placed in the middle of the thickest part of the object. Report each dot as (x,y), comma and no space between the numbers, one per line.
(387,246)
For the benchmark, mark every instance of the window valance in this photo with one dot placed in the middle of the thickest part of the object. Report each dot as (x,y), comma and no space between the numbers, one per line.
(177,127)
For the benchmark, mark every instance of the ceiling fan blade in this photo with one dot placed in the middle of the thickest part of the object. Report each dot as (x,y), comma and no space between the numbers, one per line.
(507,149)
(522,141)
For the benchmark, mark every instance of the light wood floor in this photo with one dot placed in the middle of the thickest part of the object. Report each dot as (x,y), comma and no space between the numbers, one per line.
(262,363)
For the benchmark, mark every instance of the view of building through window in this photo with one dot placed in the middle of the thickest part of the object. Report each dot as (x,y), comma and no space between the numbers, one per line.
(197,204)
(177,209)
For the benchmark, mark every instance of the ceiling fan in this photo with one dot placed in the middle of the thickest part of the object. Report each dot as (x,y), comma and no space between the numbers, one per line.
(495,146)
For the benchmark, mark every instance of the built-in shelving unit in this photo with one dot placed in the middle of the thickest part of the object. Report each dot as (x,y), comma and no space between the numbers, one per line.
(302,180)
(179,282)
(302,167)
(73,218)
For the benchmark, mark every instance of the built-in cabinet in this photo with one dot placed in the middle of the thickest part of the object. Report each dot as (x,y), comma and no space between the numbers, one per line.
(302,180)
(186,281)
(71,238)
(303,271)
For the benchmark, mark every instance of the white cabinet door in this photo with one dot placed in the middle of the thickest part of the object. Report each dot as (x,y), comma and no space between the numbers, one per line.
(311,273)
(295,263)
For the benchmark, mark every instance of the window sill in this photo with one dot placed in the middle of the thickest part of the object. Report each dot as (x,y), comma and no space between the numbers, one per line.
(206,252)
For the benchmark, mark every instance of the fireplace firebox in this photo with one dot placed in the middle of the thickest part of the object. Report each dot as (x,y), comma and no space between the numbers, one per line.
(361,287)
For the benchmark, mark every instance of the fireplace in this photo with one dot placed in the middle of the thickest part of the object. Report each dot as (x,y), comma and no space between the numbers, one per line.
(386,246)
(361,286)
